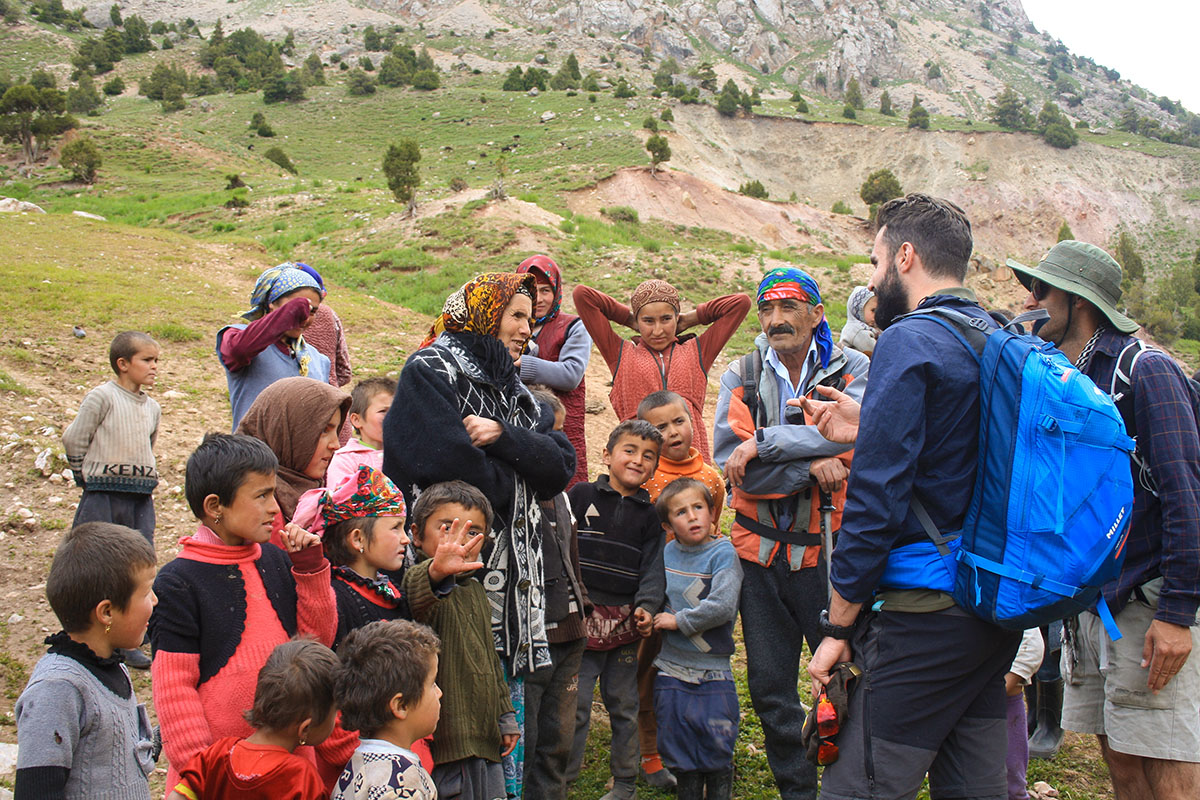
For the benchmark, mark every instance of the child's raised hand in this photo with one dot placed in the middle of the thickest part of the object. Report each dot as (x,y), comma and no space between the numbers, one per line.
(644,621)
(296,538)
(665,621)
(456,552)
(507,742)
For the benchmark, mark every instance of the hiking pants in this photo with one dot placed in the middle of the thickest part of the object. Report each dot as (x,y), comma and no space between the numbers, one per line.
(779,608)
(930,700)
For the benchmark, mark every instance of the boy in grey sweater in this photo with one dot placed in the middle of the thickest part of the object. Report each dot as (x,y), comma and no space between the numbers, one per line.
(81,732)
(695,699)
(110,443)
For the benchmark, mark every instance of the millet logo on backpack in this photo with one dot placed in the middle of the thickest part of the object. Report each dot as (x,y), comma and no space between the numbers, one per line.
(1116,524)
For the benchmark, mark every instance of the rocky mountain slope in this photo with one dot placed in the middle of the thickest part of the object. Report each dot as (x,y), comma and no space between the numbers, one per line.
(956,55)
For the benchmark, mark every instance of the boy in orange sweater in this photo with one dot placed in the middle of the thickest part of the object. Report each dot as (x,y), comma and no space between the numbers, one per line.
(668,412)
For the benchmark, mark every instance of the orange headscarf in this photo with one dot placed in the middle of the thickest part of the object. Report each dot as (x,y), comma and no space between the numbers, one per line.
(477,306)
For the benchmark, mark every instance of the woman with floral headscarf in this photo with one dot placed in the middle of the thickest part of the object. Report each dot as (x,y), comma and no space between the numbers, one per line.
(461,412)
(558,354)
(271,346)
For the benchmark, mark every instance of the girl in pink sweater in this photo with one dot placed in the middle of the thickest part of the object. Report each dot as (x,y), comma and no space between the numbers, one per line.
(228,599)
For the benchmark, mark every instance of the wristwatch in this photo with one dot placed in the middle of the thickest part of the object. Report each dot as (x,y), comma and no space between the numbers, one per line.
(843,632)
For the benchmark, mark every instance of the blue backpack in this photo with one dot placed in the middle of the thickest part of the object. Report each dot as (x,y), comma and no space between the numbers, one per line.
(1053,497)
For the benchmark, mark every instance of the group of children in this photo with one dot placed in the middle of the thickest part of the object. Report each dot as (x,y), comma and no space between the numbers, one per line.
(314,637)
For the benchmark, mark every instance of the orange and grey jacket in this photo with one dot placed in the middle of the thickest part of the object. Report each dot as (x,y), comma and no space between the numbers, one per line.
(779,477)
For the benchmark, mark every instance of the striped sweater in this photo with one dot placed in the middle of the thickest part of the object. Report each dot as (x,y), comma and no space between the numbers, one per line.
(110,443)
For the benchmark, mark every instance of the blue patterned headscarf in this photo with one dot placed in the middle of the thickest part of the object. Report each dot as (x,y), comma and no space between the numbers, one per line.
(277,281)
(796,284)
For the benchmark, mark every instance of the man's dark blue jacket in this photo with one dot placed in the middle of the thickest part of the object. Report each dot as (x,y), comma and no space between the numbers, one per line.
(918,434)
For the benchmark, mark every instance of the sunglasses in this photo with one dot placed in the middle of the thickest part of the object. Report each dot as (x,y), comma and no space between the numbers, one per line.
(1039,289)
(827,728)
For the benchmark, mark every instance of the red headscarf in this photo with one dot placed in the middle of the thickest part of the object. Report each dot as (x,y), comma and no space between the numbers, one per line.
(543,267)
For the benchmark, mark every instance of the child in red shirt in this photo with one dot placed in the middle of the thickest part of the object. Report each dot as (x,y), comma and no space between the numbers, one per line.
(229,598)
(293,706)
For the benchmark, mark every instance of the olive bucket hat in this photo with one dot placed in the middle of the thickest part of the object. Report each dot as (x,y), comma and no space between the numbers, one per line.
(1081,269)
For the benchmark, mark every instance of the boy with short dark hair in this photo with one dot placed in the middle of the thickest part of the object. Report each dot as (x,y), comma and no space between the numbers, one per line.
(229,598)
(293,706)
(110,443)
(620,554)
(695,699)
(369,404)
(80,729)
(386,690)
(479,726)
(668,412)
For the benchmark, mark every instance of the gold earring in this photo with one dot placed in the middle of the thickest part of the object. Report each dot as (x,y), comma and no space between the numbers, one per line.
(108,629)
(302,741)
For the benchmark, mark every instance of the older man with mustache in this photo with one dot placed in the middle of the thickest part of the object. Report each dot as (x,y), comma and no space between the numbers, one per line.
(778,472)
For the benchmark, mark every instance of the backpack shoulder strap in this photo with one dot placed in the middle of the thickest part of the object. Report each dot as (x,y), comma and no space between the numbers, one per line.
(750,368)
(836,378)
(971,331)
(1120,389)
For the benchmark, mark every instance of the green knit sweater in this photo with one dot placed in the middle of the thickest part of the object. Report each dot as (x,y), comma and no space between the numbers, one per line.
(474,689)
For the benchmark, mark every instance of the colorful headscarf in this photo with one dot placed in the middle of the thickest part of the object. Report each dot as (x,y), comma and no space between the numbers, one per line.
(545,268)
(476,307)
(790,283)
(857,303)
(654,291)
(316,275)
(366,493)
(277,281)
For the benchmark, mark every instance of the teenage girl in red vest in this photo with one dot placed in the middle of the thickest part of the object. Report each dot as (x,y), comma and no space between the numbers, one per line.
(560,356)
(659,357)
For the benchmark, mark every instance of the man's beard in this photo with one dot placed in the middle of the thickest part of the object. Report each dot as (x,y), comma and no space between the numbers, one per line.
(891,298)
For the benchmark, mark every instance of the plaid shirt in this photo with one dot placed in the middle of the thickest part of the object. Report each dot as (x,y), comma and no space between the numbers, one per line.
(1164,537)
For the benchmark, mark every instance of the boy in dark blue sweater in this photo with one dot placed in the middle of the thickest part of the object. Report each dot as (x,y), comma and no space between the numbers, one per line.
(620,558)
(695,699)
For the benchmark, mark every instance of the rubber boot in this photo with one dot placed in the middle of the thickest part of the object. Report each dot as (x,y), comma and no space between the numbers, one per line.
(719,785)
(689,785)
(136,659)
(1048,737)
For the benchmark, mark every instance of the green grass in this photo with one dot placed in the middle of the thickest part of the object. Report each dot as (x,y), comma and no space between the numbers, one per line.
(8,384)
(173,332)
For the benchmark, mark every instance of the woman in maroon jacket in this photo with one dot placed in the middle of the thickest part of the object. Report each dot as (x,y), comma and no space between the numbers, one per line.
(558,354)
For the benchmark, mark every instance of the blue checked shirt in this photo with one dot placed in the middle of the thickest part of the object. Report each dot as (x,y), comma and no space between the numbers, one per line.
(1164,537)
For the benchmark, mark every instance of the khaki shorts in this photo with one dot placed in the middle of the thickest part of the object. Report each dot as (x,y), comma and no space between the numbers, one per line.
(1106,690)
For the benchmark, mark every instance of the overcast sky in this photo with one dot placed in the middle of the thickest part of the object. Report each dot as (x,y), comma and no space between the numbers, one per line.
(1150,42)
